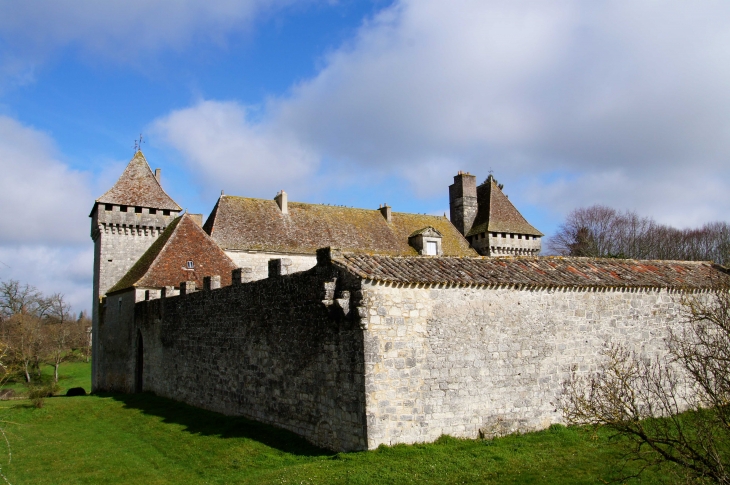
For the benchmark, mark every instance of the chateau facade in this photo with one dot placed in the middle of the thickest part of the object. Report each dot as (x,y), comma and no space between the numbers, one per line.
(400,335)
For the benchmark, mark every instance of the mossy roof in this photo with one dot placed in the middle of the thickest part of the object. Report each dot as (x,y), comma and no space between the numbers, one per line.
(536,271)
(497,214)
(165,262)
(239,223)
(138,186)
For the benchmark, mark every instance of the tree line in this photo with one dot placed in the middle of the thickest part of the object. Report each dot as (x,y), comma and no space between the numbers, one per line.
(600,231)
(38,329)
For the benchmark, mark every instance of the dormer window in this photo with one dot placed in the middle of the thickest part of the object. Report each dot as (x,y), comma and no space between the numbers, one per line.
(426,241)
(191,265)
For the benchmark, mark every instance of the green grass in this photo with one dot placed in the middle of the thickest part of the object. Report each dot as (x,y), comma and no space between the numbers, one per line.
(71,374)
(144,439)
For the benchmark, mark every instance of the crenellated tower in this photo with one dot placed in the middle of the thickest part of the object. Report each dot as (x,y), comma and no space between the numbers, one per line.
(488,220)
(125,221)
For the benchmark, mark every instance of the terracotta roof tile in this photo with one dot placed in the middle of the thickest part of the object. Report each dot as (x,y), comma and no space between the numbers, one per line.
(138,186)
(165,262)
(239,223)
(535,271)
(497,214)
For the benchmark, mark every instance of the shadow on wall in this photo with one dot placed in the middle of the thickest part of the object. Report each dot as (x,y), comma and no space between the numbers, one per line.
(208,423)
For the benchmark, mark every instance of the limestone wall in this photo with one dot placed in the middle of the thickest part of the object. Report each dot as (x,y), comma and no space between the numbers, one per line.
(463,360)
(277,350)
(259,262)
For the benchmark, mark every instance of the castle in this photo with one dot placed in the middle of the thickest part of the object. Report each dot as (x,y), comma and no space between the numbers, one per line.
(357,327)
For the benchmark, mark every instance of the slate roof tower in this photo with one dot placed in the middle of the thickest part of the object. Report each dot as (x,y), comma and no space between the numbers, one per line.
(125,221)
(489,221)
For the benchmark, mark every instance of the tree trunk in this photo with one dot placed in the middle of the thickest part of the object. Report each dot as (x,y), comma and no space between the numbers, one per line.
(27,374)
(55,372)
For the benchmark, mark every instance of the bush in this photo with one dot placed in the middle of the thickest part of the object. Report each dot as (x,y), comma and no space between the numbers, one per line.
(38,393)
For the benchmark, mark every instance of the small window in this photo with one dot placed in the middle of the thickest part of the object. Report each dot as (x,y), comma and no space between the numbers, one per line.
(191,265)
(519,236)
(504,234)
(431,248)
(122,208)
(165,212)
(138,210)
(108,207)
(511,236)
(153,211)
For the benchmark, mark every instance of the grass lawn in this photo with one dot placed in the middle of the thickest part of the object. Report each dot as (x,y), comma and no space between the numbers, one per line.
(71,374)
(144,439)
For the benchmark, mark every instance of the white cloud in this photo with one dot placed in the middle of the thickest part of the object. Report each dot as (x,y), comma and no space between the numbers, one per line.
(42,199)
(62,269)
(629,99)
(227,151)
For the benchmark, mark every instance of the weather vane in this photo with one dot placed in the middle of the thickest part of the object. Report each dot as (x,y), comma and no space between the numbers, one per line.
(138,143)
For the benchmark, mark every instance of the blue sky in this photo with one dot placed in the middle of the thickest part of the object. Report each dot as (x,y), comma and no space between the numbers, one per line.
(356,103)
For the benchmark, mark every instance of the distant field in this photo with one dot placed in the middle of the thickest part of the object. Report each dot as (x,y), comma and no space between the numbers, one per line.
(143,439)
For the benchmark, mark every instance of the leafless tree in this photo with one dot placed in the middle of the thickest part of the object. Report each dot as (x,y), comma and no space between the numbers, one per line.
(58,332)
(600,231)
(673,408)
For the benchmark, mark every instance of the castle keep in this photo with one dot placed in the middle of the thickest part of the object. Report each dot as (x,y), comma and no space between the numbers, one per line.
(403,334)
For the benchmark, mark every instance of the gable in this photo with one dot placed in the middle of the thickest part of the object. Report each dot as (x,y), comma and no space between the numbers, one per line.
(165,263)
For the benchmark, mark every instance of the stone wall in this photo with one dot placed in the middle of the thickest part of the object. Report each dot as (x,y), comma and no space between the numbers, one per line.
(258,262)
(469,361)
(278,350)
(116,340)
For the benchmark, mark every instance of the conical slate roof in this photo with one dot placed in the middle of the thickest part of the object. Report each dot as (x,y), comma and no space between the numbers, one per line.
(497,214)
(138,186)
(165,262)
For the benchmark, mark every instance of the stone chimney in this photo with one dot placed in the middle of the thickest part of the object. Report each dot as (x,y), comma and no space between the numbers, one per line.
(463,201)
(158,174)
(281,201)
(197,218)
(385,210)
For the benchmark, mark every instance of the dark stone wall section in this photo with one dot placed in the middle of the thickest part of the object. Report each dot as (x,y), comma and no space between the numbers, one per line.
(275,350)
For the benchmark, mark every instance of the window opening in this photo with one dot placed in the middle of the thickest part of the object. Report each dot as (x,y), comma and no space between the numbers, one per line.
(122,208)
(165,212)
(153,211)
(108,207)
(431,248)
(191,265)
(138,210)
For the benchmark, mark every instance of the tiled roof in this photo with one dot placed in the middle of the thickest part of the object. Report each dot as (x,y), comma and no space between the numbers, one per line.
(497,214)
(535,271)
(239,223)
(165,262)
(138,186)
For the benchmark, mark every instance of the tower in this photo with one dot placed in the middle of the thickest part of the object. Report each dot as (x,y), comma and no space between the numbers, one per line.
(125,221)
(489,221)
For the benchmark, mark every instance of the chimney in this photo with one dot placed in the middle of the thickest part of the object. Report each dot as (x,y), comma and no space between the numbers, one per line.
(282,202)
(385,210)
(158,174)
(197,218)
(463,201)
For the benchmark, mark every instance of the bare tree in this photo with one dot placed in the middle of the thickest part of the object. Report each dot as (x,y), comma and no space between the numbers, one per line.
(674,408)
(58,332)
(600,231)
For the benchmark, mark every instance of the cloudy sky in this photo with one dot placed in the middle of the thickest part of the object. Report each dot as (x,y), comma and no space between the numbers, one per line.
(356,103)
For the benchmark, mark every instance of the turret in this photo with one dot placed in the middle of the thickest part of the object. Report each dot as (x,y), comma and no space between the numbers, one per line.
(125,221)
(489,221)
